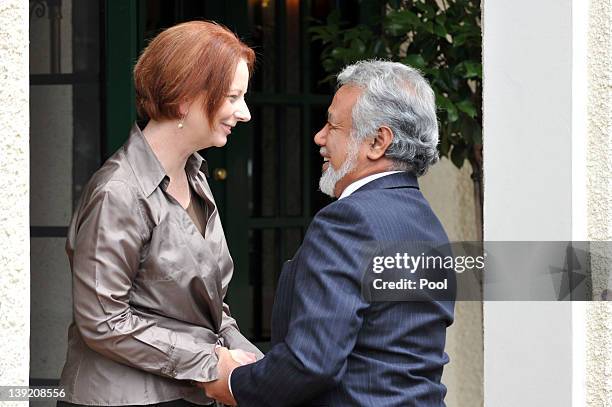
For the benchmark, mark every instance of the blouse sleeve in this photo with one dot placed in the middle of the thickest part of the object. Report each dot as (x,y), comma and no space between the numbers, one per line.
(233,338)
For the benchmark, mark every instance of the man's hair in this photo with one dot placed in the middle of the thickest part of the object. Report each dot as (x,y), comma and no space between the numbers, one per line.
(396,96)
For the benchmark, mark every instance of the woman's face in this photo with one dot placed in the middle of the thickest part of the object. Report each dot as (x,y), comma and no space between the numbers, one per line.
(233,110)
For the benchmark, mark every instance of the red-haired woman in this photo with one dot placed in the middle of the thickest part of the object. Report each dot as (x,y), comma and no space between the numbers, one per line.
(149,259)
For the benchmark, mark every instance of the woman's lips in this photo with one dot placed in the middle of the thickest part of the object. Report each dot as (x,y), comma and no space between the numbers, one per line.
(227,129)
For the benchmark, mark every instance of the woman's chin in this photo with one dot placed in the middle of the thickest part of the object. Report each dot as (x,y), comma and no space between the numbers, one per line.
(220,141)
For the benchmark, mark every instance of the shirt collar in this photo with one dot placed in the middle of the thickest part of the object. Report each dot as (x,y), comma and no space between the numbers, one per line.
(147,168)
(361,182)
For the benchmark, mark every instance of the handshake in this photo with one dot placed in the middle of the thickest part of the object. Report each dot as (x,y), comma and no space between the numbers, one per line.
(228,361)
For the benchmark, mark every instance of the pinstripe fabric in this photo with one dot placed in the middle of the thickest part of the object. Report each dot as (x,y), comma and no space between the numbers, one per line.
(330,347)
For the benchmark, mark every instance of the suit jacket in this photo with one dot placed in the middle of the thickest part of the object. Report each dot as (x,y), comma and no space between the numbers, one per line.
(332,347)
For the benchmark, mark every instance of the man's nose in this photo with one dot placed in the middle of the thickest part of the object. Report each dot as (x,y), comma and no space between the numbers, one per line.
(319,138)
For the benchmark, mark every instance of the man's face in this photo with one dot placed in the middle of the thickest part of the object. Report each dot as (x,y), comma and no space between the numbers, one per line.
(338,149)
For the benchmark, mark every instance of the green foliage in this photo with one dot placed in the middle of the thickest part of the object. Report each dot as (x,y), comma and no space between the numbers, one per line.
(443,43)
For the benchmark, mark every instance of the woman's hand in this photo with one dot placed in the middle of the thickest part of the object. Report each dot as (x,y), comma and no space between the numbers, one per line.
(243,357)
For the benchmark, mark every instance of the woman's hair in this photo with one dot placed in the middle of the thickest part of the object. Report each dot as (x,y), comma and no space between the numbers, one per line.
(185,61)
(397,96)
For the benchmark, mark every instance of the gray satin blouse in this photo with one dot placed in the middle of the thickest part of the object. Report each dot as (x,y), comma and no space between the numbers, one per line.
(147,287)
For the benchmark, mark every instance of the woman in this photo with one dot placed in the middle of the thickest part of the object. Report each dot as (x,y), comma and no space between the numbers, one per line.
(149,259)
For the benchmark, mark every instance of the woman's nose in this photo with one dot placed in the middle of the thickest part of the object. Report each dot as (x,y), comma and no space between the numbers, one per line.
(242,113)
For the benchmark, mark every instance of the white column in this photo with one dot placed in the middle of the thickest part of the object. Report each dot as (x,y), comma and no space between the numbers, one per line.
(579,187)
(535,181)
(14,187)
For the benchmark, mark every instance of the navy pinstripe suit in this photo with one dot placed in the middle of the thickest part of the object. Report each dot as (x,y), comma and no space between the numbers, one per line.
(330,346)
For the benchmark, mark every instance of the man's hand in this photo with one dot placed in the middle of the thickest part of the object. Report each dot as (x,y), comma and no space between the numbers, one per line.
(218,389)
(243,357)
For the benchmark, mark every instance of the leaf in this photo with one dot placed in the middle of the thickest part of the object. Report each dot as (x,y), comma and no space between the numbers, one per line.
(467,107)
(358,46)
(444,145)
(401,22)
(331,79)
(328,65)
(440,31)
(429,48)
(477,134)
(415,61)
(470,131)
(458,155)
(460,39)
(334,17)
(378,48)
(446,105)
(472,69)
(427,9)
(453,115)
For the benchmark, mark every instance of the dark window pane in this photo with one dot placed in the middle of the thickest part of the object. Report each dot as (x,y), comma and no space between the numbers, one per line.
(50,37)
(270,249)
(86,37)
(293,47)
(265,170)
(264,267)
(86,145)
(51,126)
(262,20)
(276,164)
(51,306)
(291,161)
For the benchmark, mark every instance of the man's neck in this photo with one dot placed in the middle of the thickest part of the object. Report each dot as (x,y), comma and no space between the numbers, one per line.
(360,172)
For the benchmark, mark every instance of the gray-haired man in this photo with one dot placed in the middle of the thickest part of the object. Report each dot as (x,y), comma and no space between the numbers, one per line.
(329,345)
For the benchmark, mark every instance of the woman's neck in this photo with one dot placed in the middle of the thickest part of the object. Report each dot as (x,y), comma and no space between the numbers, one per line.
(171,148)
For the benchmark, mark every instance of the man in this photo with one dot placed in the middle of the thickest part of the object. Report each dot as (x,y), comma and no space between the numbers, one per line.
(329,345)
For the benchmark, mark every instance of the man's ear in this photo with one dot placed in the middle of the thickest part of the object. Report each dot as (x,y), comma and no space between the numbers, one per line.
(378,145)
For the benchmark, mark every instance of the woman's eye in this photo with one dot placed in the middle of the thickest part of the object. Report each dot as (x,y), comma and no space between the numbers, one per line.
(233,98)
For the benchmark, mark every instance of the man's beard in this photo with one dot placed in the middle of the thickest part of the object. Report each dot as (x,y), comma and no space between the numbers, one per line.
(330,177)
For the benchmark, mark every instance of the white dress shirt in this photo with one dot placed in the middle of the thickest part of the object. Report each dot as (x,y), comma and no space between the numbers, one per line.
(361,182)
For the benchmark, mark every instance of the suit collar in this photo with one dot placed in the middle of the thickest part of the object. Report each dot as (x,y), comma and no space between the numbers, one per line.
(147,168)
(398,180)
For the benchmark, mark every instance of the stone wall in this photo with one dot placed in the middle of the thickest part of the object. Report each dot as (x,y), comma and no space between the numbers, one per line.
(14,186)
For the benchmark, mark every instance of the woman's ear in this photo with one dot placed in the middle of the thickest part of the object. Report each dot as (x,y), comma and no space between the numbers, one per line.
(184,108)
(379,144)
